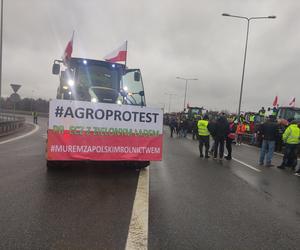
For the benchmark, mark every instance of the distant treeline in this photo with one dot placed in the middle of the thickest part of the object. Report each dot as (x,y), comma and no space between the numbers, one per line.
(26,104)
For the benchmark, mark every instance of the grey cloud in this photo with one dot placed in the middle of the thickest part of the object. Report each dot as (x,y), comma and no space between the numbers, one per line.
(166,39)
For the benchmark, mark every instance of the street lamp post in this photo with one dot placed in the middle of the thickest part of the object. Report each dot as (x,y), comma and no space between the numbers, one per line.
(1,41)
(186,83)
(245,52)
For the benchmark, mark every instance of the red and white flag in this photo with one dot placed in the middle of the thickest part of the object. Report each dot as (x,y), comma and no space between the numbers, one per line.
(293,102)
(275,102)
(118,55)
(68,50)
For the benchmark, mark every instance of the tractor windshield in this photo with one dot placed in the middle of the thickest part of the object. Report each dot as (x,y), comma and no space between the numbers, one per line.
(100,81)
(97,76)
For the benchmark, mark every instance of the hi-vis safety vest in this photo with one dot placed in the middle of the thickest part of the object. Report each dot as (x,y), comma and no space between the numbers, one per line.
(252,118)
(247,128)
(202,128)
(292,134)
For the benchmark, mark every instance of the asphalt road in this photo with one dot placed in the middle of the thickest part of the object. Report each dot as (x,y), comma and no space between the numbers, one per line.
(85,207)
(204,204)
(193,203)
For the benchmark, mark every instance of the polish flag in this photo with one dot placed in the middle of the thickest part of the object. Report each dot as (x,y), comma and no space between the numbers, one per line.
(68,50)
(275,102)
(118,55)
(293,102)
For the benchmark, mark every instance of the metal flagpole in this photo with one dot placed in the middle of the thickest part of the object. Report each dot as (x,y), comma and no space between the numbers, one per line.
(126,54)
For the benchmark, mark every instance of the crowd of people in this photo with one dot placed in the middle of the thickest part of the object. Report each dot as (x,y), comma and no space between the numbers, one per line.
(224,130)
(179,126)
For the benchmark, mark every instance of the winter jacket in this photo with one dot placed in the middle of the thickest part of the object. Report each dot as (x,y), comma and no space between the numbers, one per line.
(269,131)
(222,127)
(292,134)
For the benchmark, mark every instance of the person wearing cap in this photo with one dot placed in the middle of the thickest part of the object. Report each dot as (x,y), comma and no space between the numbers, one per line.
(291,138)
(203,136)
(269,132)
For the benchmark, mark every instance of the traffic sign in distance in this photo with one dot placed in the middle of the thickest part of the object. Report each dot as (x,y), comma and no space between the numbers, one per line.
(15,97)
(15,87)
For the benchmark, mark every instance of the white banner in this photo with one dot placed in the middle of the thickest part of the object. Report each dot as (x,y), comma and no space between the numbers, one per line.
(69,113)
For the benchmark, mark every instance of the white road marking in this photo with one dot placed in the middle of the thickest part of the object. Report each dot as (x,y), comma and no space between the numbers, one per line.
(247,165)
(22,136)
(138,229)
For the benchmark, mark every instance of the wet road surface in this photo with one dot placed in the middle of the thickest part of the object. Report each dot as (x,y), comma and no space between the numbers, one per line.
(193,203)
(83,207)
(204,204)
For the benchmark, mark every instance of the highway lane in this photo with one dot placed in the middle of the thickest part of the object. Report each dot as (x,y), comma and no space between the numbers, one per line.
(204,204)
(83,207)
(281,185)
(194,203)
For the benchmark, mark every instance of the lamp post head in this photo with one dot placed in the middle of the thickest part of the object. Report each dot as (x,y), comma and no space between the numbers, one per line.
(225,14)
(186,79)
(272,17)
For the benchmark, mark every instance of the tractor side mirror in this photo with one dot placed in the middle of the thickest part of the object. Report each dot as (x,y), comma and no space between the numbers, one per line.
(137,76)
(55,68)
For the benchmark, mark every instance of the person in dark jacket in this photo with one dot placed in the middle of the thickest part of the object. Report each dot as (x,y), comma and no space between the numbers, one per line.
(185,126)
(212,130)
(180,127)
(269,133)
(172,125)
(229,139)
(195,129)
(222,130)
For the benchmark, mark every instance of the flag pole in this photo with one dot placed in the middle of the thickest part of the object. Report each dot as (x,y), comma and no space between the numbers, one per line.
(73,37)
(126,54)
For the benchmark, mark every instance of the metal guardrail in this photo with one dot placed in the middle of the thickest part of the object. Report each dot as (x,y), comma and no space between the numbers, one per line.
(22,112)
(10,123)
(246,137)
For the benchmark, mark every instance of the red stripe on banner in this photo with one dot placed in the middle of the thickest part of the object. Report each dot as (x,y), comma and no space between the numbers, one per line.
(121,57)
(103,148)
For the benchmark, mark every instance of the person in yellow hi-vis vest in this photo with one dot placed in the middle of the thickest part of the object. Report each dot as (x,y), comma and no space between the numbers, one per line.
(35,117)
(203,136)
(291,138)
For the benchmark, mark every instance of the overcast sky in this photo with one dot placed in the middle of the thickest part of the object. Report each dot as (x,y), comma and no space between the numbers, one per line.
(165,39)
